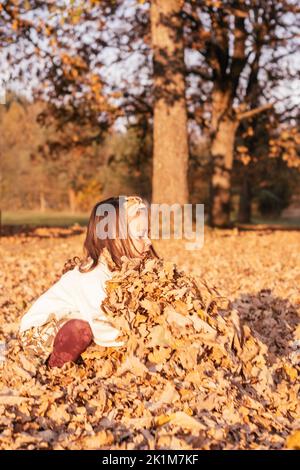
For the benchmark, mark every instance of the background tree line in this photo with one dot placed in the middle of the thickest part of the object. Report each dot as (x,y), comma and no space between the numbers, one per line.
(203,90)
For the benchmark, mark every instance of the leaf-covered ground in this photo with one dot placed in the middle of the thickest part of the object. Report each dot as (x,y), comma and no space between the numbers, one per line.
(208,364)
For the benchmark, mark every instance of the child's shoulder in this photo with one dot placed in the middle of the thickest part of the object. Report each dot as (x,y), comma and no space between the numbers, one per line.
(101,270)
(74,276)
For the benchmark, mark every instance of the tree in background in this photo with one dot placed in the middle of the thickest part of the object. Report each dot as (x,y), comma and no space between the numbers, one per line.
(267,164)
(170,143)
(33,176)
(240,50)
(20,135)
(77,95)
(75,40)
(241,44)
(263,179)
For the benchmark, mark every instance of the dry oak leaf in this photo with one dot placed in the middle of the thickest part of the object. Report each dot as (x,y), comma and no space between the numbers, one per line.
(293,440)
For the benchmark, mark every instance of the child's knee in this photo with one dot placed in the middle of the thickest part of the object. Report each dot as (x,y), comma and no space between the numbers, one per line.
(71,340)
(75,329)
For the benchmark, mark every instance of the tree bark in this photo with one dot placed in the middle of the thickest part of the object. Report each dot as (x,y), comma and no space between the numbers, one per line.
(42,202)
(222,149)
(224,119)
(72,200)
(170,139)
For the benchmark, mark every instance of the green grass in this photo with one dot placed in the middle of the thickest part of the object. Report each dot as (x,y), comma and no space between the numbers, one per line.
(291,222)
(67,219)
(49,218)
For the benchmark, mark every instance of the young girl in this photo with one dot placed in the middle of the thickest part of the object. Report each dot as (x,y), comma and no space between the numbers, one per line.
(64,320)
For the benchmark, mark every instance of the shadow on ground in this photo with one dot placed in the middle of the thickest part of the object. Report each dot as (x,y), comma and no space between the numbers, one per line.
(273,318)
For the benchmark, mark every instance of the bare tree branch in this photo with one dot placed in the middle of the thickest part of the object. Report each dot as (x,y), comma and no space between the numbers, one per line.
(253,112)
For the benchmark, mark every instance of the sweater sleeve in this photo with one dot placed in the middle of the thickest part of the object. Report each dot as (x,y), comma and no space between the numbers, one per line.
(80,295)
(56,300)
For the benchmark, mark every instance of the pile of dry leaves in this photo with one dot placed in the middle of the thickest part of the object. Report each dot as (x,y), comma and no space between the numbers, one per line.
(196,372)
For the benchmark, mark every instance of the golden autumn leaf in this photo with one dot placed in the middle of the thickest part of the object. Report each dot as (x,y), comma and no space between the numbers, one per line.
(100,439)
(291,371)
(162,419)
(159,355)
(293,440)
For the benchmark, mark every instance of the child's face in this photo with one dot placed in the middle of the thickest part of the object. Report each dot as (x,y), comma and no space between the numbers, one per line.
(138,231)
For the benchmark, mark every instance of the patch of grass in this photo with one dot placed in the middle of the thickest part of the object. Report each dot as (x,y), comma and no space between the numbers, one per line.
(67,219)
(290,222)
(48,219)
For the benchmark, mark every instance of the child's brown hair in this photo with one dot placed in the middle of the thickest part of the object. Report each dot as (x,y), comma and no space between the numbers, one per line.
(112,248)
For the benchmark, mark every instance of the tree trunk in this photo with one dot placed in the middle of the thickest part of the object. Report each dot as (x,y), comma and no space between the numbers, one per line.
(170,139)
(72,200)
(222,148)
(244,215)
(42,202)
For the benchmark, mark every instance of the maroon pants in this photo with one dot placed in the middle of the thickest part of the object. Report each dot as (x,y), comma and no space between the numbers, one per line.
(71,340)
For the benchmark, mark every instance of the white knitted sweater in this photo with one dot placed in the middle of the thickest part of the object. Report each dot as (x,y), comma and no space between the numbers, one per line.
(78,295)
